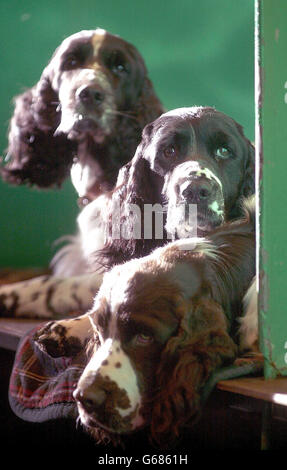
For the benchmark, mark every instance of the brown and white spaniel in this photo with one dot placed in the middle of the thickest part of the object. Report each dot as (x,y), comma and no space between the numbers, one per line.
(160,325)
(85,114)
(84,118)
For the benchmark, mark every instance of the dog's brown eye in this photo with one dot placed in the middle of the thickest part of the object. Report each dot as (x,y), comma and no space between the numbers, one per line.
(170,151)
(119,68)
(116,63)
(223,153)
(71,61)
(144,339)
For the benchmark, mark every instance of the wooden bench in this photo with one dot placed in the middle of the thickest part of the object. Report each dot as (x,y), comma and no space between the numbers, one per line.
(271,392)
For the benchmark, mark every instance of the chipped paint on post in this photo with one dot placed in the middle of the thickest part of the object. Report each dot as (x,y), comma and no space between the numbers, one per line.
(271,181)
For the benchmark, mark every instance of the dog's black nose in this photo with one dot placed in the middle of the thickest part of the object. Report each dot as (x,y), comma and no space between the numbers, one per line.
(91,398)
(197,191)
(91,96)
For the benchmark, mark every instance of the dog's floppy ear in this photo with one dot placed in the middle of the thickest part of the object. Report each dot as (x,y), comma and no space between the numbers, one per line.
(143,185)
(201,345)
(249,179)
(148,107)
(35,155)
(248,187)
(137,185)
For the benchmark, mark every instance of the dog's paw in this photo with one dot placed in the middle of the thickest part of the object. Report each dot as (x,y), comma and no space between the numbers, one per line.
(249,358)
(54,340)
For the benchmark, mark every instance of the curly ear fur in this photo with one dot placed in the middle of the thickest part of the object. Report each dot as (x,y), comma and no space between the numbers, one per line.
(36,155)
(202,344)
(148,107)
(142,110)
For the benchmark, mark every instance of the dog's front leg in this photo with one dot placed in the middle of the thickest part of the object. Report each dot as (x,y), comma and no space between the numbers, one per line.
(64,337)
(49,296)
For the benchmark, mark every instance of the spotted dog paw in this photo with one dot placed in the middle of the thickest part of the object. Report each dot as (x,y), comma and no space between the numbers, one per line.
(54,339)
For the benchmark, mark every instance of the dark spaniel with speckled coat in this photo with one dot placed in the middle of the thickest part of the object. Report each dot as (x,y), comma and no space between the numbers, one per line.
(188,156)
(196,156)
(160,325)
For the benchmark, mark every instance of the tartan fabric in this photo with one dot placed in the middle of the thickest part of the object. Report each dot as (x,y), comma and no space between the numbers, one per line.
(40,386)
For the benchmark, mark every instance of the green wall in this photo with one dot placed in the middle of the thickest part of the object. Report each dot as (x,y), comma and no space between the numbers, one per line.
(197,53)
(271,123)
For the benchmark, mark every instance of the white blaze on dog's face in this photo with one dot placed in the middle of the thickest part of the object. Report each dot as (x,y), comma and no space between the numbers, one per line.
(85,91)
(184,219)
(109,378)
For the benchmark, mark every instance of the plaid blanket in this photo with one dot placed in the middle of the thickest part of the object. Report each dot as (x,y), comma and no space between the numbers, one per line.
(41,387)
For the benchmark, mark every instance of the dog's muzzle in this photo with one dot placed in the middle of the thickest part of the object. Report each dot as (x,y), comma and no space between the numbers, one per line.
(107,394)
(87,105)
(194,187)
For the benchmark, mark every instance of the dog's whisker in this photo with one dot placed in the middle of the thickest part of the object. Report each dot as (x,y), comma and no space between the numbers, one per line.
(121,113)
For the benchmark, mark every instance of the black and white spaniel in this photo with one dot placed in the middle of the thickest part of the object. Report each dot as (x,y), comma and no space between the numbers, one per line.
(188,156)
(159,326)
(196,156)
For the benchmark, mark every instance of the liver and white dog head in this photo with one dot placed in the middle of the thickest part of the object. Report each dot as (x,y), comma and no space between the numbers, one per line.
(161,325)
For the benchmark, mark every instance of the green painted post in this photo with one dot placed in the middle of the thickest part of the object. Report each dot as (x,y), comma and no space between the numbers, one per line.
(271,151)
